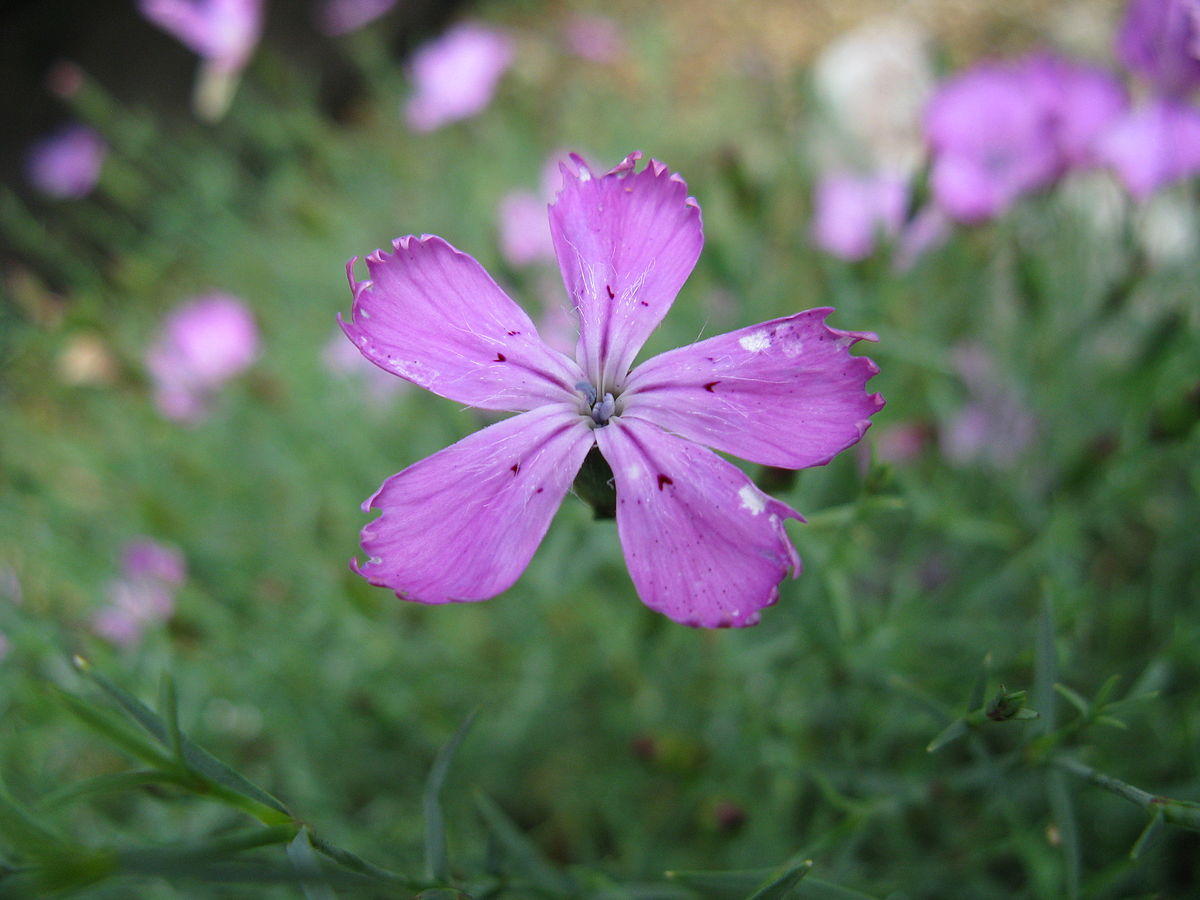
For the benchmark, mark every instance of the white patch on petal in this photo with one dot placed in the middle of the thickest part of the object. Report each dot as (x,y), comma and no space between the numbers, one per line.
(755,343)
(752,500)
(635,473)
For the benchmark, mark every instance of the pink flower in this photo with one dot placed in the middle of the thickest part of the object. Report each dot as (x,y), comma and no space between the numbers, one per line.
(455,75)
(3,645)
(851,212)
(336,17)
(703,544)
(1159,39)
(203,344)
(524,237)
(224,32)
(1001,130)
(144,595)
(67,164)
(994,426)
(1153,145)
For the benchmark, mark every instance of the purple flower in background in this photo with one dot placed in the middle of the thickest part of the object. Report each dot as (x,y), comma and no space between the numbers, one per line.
(994,426)
(1158,40)
(1001,130)
(455,75)
(1154,145)
(202,344)
(336,17)
(224,32)
(851,212)
(67,163)
(594,37)
(144,595)
(524,232)
(524,235)
(703,544)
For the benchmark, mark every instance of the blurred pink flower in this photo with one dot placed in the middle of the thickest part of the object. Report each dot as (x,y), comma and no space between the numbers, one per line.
(1159,39)
(851,213)
(202,344)
(925,231)
(145,558)
(902,443)
(1003,129)
(455,75)
(524,229)
(144,595)
(524,232)
(594,37)
(1153,145)
(67,163)
(224,32)
(336,17)
(994,426)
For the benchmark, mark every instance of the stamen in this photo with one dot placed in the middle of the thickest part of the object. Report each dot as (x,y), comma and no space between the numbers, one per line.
(602,411)
(589,393)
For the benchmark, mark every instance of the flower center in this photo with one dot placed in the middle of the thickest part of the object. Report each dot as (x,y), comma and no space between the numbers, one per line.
(599,408)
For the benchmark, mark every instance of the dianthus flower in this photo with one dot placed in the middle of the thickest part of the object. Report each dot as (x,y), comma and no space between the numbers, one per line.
(455,76)
(224,32)
(851,212)
(1003,129)
(703,544)
(202,344)
(1160,40)
(67,163)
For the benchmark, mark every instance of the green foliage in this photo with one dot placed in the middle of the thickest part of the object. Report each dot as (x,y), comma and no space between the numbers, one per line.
(614,754)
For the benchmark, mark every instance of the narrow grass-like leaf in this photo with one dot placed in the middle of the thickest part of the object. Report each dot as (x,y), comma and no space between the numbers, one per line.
(721,885)
(168,705)
(115,730)
(300,852)
(23,831)
(197,759)
(1149,836)
(522,850)
(436,865)
(1075,699)
(1045,672)
(951,732)
(979,689)
(360,866)
(114,783)
(783,886)
(1068,829)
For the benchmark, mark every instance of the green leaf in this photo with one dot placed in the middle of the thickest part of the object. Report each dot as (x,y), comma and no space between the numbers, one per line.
(300,852)
(195,758)
(113,783)
(952,732)
(435,826)
(1149,836)
(782,887)
(521,849)
(1075,699)
(107,725)
(168,705)
(980,687)
(721,885)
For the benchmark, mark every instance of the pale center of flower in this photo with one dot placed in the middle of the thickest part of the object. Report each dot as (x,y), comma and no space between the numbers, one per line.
(601,409)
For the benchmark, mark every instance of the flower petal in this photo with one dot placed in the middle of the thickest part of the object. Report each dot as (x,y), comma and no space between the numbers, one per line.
(704,546)
(625,242)
(783,393)
(463,524)
(433,316)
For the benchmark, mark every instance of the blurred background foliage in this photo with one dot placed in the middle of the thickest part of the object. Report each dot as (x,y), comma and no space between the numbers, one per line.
(620,744)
